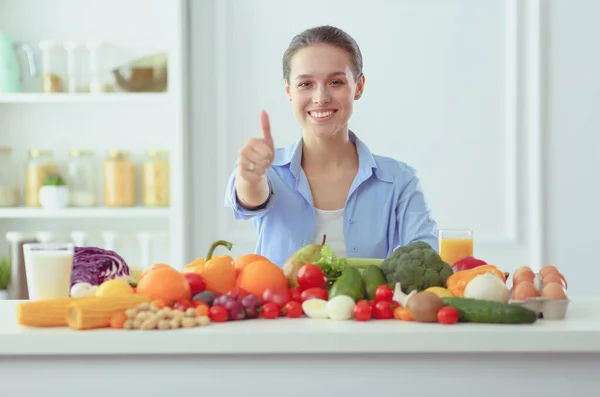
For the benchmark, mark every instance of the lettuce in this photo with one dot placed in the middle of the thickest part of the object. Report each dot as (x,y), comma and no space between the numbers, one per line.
(95,265)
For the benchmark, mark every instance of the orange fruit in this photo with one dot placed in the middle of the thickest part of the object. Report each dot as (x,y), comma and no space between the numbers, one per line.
(244,260)
(154,267)
(260,275)
(166,284)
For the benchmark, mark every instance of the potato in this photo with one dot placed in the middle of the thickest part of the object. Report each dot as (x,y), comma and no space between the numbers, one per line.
(424,306)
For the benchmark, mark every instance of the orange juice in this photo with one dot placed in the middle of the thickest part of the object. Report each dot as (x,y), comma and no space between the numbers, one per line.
(453,249)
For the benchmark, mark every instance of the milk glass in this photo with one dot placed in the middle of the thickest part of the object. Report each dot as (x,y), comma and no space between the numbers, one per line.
(48,267)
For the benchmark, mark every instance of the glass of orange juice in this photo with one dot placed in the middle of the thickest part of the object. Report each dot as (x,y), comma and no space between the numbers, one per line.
(455,244)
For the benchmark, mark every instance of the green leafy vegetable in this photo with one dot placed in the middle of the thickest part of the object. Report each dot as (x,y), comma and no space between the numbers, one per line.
(54,180)
(5,273)
(331,265)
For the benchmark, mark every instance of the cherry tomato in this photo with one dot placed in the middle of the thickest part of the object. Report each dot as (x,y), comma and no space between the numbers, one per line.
(196,282)
(278,296)
(202,309)
(383,293)
(295,294)
(383,310)
(318,293)
(269,311)
(237,292)
(293,309)
(311,276)
(362,311)
(218,314)
(447,315)
(182,305)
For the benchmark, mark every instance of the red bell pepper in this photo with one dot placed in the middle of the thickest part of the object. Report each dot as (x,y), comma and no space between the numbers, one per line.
(468,263)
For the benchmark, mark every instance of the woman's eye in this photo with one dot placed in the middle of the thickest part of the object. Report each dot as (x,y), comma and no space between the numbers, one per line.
(303,84)
(337,82)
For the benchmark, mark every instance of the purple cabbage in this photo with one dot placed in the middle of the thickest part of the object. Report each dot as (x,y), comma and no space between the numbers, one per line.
(95,265)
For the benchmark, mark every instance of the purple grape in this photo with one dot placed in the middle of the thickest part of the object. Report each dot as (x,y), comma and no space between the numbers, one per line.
(235,309)
(222,299)
(207,297)
(251,304)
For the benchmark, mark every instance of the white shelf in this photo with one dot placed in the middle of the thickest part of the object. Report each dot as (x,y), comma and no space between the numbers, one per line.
(84,213)
(83,98)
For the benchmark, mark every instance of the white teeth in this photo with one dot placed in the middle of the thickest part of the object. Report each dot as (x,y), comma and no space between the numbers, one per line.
(320,115)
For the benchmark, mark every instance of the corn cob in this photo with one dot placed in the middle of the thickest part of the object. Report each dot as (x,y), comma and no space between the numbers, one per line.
(97,312)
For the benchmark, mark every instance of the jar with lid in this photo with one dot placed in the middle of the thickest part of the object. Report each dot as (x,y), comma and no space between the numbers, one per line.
(77,67)
(41,164)
(102,62)
(81,179)
(119,180)
(156,177)
(52,62)
(9,187)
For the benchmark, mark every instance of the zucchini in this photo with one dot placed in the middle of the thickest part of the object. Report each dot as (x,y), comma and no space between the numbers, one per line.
(481,311)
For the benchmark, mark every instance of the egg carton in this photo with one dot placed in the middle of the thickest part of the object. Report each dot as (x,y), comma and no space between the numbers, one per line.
(545,308)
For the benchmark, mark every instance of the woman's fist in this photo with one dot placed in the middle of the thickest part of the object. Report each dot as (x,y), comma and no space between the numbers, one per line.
(256,156)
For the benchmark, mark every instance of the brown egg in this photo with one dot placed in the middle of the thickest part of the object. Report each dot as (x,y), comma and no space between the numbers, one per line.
(546,270)
(521,270)
(554,291)
(524,290)
(555,278)
(524,275)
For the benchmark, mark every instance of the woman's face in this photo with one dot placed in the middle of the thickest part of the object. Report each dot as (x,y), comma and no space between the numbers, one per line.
(322,89)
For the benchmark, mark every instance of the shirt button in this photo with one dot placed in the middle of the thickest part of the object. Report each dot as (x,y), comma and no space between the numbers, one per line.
(351,221)
(354,249)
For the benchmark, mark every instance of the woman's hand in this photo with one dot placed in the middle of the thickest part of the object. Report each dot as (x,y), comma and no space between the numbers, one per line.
(256,156)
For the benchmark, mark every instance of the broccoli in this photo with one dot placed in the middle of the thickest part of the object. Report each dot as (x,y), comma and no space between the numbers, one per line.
(415,266)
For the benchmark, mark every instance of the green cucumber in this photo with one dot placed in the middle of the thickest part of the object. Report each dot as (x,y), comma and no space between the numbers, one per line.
(373,277)
(480,311)
(350,283)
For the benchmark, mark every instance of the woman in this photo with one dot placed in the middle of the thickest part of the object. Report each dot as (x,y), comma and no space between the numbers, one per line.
(328,182)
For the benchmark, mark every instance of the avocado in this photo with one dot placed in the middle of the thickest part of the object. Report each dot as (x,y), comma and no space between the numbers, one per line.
(481,311)
(373,277)
(350,283)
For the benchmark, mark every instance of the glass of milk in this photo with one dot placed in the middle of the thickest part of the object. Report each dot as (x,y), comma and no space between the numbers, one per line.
(48,267)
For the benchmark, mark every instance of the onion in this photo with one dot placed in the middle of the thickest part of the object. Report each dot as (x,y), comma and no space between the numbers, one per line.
(487,286)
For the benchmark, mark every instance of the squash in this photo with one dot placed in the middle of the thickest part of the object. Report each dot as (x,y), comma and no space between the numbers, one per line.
(458,281)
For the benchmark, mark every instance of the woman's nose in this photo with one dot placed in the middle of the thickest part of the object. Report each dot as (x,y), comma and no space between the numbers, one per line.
(321,96)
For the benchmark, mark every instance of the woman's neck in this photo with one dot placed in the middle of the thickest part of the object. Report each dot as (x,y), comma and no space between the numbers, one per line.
(327,154)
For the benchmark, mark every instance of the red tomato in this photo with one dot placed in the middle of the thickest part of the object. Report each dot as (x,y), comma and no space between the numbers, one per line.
(269,311)
(278,296)
(383,310)
(182,305)
(318,293)
(383,293)
(196,282)
(311,276)
(218,314)
(295,294)
(362,311)
(293,309)
(447,315)
(237,292)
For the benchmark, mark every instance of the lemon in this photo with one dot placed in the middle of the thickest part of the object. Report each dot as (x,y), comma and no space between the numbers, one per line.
(440,291)
(116,287)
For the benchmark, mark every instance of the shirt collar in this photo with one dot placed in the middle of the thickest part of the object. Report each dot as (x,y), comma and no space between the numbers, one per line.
(367,165)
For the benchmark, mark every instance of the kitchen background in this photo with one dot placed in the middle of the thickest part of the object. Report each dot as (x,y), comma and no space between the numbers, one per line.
(493,102)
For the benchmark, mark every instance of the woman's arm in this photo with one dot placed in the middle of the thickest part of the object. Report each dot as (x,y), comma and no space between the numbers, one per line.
(414,216)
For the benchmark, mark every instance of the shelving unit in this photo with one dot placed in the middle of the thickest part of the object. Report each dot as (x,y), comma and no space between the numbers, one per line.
(117,120)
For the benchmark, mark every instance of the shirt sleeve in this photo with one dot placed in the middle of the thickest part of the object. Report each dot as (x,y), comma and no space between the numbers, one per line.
(241,212)
(414,216)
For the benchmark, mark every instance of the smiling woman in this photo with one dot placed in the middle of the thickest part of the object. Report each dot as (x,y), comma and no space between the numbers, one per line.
(328,182)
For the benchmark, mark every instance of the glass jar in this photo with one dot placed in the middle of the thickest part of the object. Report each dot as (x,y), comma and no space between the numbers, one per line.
(119,180)
(102,62)
(156,179)
(77,67)
(52,77)
(9,187)
(81,179)
(41,164)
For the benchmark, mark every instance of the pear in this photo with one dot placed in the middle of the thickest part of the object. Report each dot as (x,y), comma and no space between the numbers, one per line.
(310,253)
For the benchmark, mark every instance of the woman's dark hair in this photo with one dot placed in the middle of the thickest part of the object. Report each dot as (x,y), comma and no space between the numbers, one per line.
(324,35)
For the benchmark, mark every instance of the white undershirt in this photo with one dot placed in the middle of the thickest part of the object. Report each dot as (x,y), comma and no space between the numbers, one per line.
(331,223)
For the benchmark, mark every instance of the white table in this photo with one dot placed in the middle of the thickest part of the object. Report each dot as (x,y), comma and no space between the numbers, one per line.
(301,357)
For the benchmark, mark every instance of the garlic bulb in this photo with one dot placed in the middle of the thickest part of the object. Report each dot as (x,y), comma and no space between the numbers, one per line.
(487,286)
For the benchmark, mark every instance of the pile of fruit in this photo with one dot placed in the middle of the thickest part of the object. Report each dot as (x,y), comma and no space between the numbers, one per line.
(412,284)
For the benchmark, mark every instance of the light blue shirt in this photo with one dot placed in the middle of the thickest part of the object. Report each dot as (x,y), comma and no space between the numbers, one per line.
(385,207)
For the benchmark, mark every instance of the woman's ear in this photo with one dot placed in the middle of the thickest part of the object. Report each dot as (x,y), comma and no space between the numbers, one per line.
(360,86)
(287,89)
